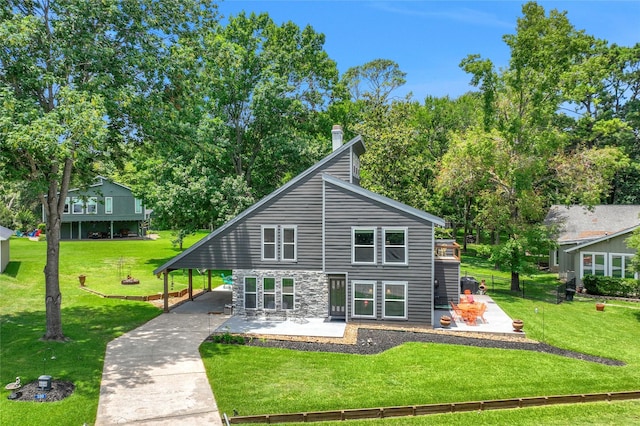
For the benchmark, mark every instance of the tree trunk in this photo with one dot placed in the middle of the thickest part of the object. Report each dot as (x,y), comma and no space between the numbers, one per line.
(515,281)
(53,296)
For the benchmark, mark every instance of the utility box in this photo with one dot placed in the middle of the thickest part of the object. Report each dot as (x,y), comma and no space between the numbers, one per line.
(44,382)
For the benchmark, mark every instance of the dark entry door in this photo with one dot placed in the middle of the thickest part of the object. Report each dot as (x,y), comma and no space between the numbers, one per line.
(337,296)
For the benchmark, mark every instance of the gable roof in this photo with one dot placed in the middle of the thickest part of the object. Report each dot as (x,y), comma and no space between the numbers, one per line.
(356,143)
(5,233)
(606,237)
(383,200)
(579,224)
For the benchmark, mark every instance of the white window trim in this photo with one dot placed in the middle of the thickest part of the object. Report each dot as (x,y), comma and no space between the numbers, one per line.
(353,244)
(406,245)
(137,205)
(353,298)
(67,206)
(384,299)
(265,292)
(244,290)
(556,258)
(593,263)
(75,201)
(275,242)
(625,257)
(108,201)
(93,201)
(282,293)
(295,242)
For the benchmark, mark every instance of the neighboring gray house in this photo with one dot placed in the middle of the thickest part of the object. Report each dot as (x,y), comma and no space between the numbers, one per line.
(322,246)
(592,240)
(105,210)
(5,236)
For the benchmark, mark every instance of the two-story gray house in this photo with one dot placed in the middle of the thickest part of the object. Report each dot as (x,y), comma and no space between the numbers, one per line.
(105,210)
(322,246)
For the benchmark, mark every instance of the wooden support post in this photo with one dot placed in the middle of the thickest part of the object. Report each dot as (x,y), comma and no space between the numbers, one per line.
(166,290)
(190,284)
(209,279)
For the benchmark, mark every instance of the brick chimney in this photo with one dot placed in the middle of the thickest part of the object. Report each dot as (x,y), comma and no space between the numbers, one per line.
(336,136)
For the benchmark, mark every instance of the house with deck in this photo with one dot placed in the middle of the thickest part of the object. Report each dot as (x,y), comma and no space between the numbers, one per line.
(592,241)
(105,209)
(322,246)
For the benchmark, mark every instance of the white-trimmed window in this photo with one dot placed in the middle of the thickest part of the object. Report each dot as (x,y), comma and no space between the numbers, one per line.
(556,258)
(77,206)
(250,292)
(395,299)
(363,245)
(395,246)
(138,205)
(269,242)
(67,205)
(289,240)
(288,293)
(620,265)
(364,299)
(593,264)
(92,205)
(108,205)
(269,293)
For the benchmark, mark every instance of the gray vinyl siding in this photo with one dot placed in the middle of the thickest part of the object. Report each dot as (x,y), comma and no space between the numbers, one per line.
(344,210)
(447,273)
(239,246)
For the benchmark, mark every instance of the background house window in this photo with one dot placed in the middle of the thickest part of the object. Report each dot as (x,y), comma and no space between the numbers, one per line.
(395,246)
(288,288)
(268,243)
(395,300)
(77,206)
(138,205)
(364,299)
(92,205)
(289,243)
(108,205)
(593,264)
(364,245)
(621,266)
(269,293)
(66,205)
(250,293)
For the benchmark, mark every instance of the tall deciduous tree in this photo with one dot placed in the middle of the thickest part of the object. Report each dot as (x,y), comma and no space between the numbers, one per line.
(72,77)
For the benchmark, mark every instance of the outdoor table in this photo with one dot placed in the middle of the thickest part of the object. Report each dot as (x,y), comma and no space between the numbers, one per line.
(469,312)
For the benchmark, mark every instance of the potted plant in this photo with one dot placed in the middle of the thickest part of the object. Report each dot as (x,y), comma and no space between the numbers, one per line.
(445,320)
(517,324)
(599,306)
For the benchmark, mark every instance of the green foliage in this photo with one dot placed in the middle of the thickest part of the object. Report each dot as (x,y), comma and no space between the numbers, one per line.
(228,339)
(611,286)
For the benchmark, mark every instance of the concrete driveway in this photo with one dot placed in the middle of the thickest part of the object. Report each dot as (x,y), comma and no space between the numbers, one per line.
(154,374)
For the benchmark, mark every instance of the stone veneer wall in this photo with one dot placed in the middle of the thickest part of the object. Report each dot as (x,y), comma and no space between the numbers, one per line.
(311,293)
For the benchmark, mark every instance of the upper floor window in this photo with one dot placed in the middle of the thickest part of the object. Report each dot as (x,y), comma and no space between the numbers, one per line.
(138,205)
(77,206)
(108,205)
(67,205)
(92,205)
(363,247)
(395,246)
(289,243)
(269,243)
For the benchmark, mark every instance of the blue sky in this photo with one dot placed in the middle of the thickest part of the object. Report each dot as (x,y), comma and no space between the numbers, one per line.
(428,39)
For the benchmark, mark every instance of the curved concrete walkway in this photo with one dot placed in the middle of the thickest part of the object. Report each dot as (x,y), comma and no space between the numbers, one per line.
(154,374)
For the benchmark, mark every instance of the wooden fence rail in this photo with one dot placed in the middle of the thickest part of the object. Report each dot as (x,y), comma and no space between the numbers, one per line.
(421,410)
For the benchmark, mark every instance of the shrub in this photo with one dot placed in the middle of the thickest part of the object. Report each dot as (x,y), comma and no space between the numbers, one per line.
(42,227)
(609,286)
(228,339)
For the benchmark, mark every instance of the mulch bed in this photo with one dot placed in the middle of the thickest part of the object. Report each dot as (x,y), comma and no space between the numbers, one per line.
(374,341)
(59,391)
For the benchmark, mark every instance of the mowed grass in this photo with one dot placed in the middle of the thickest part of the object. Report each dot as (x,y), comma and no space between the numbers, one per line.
(89,321)
(264,380)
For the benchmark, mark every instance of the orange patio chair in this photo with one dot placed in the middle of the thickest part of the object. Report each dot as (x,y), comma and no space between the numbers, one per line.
(481,311)
(457,313)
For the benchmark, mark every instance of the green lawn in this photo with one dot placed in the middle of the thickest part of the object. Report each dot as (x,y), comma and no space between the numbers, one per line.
(89,321)
(263,380)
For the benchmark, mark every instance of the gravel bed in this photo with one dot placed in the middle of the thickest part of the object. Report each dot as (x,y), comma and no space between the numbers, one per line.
(371,341)
(31,392)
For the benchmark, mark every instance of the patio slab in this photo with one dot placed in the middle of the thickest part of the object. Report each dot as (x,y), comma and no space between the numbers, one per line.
(311,327)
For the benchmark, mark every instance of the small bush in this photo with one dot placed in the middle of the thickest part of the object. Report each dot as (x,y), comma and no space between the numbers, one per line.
(42,227)
(609,286)
(228,339)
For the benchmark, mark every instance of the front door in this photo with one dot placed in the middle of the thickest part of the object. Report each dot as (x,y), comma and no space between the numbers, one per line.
(337,296)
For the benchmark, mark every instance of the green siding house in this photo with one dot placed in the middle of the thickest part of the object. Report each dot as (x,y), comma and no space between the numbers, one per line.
(105,210)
